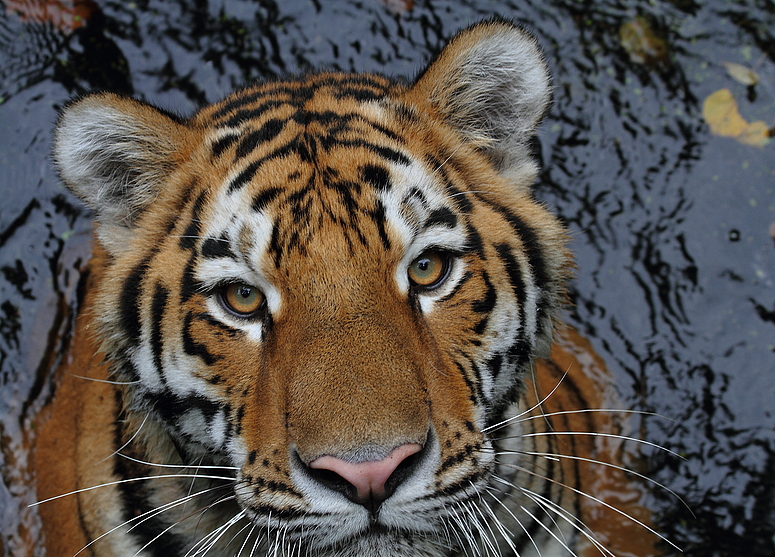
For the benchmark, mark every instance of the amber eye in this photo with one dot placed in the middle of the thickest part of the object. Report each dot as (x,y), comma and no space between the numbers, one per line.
(429,270)
(242,299)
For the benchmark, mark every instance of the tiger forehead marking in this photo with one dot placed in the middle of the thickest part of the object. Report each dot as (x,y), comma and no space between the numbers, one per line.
(330,287)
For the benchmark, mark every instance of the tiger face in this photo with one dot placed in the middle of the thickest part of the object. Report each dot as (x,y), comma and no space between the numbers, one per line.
(322,291)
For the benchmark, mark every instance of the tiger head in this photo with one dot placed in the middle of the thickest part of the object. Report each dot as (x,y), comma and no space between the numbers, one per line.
(329,285)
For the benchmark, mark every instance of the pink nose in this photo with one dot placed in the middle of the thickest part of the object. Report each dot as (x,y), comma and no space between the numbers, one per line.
(368,478)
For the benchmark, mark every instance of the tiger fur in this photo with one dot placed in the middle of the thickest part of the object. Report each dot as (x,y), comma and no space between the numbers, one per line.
(310,311)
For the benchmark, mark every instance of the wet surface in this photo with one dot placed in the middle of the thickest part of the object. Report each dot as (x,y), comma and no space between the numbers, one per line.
(672,224)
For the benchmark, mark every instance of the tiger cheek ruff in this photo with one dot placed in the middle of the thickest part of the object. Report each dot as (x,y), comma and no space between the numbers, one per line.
(311,307)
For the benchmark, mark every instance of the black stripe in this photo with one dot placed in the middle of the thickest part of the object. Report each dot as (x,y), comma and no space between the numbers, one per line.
(129,303)
(376,176)
(441,216)
(194,348)
(380,218)
(191,234)
(214,248)
(473,389)
(222,144)
(529,239)
(514,272)
(487,303)
(264,198)
(158,307)
(245,114)
(265,133)
(188,284)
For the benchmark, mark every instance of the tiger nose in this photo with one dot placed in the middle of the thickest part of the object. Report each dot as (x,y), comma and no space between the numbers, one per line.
(367,483)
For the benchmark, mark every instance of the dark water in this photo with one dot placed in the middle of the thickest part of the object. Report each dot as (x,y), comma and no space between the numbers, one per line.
(671,224)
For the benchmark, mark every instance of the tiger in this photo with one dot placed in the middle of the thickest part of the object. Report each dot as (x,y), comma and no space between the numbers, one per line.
(313,324)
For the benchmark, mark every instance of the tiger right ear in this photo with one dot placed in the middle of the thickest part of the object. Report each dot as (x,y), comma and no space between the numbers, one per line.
(491,83)
(115,153)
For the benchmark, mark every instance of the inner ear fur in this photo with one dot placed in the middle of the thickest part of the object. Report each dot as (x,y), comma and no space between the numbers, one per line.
(116,154)
(492,84)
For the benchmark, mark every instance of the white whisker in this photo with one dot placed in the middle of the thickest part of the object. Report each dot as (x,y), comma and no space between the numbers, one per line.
(129,480)
(596,434)
(125,445)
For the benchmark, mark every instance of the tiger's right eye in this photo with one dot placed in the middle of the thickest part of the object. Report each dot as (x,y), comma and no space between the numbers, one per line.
(243,300)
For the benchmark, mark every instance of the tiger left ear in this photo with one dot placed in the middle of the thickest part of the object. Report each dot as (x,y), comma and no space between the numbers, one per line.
(491,83)
(116,154)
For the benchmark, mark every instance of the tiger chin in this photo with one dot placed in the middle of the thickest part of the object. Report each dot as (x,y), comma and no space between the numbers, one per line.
(310,319)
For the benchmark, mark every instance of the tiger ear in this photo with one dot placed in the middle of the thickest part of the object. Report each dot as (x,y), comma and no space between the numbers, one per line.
(491,83)
(115,153)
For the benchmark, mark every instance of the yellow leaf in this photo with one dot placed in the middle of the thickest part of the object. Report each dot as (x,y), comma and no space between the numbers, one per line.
(741,74)
(756,134)
(721,113)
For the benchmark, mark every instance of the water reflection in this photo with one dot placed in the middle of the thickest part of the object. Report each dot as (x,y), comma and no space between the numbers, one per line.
(675,285)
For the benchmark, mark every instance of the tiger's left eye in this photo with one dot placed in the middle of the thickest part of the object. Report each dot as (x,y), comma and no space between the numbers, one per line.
(242,299)
(429,270)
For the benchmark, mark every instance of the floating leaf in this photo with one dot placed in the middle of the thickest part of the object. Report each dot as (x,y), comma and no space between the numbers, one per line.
(722,115)
(641,42)
(756,134)
(741,74)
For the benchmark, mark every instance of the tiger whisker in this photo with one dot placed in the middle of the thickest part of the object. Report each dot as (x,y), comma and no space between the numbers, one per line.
(595,499)
(181,466)
(470,542)
(160,534)
(149,514)
(523,418)
(538,404)
(482,524)
(517,520)
(129,480)
(108,381)
(548,530)
(559,511)
(505,533)
(596,434)
(204,545)
(550,506)
(250,525)
(125,445)
(556,457)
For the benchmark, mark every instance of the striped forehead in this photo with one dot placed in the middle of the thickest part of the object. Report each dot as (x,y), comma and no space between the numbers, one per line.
(402,205)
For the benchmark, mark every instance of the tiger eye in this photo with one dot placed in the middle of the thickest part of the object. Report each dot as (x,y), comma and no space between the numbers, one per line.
(242,299)
(429,270)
